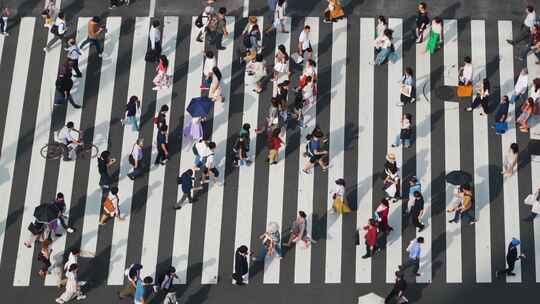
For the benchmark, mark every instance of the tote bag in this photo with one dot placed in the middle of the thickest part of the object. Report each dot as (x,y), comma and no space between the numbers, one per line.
(465,90)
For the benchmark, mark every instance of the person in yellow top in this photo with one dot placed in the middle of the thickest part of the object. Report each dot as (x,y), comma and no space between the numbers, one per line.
(464,207)
(333,12)
(94,30)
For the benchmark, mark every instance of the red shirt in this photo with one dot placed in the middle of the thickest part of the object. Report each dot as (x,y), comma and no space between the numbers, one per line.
(371,235)
(275,143)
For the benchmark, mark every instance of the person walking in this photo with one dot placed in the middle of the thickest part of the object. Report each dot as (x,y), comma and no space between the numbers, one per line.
(162,80)
(533,200)
(104,163)
(59,205)
(510,160)
(241,264)
(339,204)
(370,238)
(44,257)
(304,44)
(527,109)
(166,287)
(251,40)
(73,286)
(73,54)
(465,72)
(58,29)
(382,212)
(274,145)
(162,149)
(526,26)
(240,157)
(385,48)
(435,35)
(279,17)
(256,70)
(512,257)
(5,13)
(501,115)
(407,88)
(522,84)
(209,168)
(271,240)
(217,29)
(299,230)
(281,62)
(135,159)
(144,290)
(482,97)
(203,20)
(64,84)
(405,133)
(382,25)
(215,91)
(398,291)
(94,31)
(111,208)
(133,273)
(417,211)
(209,64)
(315,152)
(463,208)
(414,249)
(186,180)
(422,22)
(153,54)
(161,119)
(133,107)
(533,46)
(334,12)
(392,182)
(73,258)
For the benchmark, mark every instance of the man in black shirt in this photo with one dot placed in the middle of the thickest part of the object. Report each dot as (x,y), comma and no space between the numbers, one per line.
(163,152)
(104,162)
(511,258)
(400,285)
(417,211)
(64,84)
(422,21)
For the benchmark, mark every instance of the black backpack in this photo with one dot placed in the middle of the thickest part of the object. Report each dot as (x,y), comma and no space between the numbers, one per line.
(198,21)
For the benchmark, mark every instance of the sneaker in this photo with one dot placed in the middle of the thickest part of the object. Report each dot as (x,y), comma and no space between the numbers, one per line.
(59,300)
(199,40)
(510,42)
(81,297)
(400,104)
(45,49)
(100,56)
(70,230)
(418,274)
(511,274)
(221,48)
(413,100)
(365,256)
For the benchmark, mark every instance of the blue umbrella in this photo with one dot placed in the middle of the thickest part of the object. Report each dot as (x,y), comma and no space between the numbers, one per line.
(200,106)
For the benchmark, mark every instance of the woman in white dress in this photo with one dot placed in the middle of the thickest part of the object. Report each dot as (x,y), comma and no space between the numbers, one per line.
(256,68)
(215,86)
(279,17)
(281,64)
(73,287)
(382,25)
(510,160)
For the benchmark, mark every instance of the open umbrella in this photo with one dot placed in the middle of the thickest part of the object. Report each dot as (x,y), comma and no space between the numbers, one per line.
(458,178)
(200,106)
(46,213)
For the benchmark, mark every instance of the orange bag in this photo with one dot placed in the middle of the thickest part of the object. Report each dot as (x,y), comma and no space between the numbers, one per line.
(108,206)
(465,90)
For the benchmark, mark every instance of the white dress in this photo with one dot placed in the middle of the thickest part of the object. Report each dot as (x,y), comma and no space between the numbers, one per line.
(71,287)
(281,64)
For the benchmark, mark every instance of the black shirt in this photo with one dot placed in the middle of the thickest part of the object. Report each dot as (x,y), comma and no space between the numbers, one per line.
(400,285)
(64,84)
(418,206)
(102,166)
(512,254)
(422,19)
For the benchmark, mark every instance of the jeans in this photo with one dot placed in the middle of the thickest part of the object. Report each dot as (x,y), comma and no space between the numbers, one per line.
(525,52)
(518,97)
(75,65)
(136,171)
(56,38)
(406,141)
(264,251)
(464,215)
(3,24)
(415,263)
(382,55)
(132,120)
(93,41)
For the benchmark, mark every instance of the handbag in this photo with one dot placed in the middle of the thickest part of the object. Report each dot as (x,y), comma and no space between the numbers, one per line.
(35,228)
(405,133)
(465,90)
(108,205)
(391,190)
(405,90)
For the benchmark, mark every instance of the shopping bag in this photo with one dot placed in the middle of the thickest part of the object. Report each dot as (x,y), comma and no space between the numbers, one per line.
(391,190)
(297,58)
(501,127)
(405,90)
(465,90)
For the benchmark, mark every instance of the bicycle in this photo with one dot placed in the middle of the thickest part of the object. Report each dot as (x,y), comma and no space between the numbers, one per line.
(55,150)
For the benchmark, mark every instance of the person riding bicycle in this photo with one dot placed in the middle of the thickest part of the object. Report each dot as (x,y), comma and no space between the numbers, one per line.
(67,138)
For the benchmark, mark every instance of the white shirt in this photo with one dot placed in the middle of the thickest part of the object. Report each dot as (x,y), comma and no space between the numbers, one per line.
(385,42)
(155,36)
(66,136)
(137,152)
(73,52)
(521,84)
(209,64)
(304,40)
(61,25)
(279,13)
(530,19)
(72,259)
(380,28)
(535,94)
(71,284)
(467,72)
(339,190)
(201,148)
(209,159)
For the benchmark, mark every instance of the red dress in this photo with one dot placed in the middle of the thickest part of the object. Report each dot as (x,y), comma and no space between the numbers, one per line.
(371,235)
(383,215)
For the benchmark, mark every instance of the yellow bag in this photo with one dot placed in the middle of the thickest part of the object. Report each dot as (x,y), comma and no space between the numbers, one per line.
(340,205)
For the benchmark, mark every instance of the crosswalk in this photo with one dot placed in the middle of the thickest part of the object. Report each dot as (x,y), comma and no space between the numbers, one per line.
(356,107)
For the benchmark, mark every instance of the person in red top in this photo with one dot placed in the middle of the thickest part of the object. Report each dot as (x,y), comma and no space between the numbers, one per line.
(274,144)
(382,211)
(371,238)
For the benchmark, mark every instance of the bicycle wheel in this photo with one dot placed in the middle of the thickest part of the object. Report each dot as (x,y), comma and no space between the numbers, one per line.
(87,151)
(52,151)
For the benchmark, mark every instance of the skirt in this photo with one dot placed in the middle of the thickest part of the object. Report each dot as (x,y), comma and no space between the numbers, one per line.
(433,42)
(340,205)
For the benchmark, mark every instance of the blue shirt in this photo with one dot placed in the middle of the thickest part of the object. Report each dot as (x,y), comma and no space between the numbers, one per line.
(187,182)
(314,145)
(407,80)
(414,254)
(139,291)
(414,188)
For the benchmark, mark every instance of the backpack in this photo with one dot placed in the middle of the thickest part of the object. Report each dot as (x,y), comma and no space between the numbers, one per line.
(54,29)
(198,21)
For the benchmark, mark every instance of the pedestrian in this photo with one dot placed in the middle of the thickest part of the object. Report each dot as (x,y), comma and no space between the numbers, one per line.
(153,54)
(144,290)
(94,31)
(256,69)
(391,183)
(520,89)
(304,44)
(527,109)
(132,273)
(417,211)
(240,157)
(482,97)
(281,62)
(385,48)
(104,163)
(422,22)
(370,238)
(510,160)
(405,133)
(241,265)
(209,168)
(435,35)
(73,258)
(4,14)
(251,37)
(533,46)
(298,107)
(200,151)
(60,206)
(73,286)
(133,107)
(186,180)
(465,73)
(340,204)
(533,200)
(407,88)
(215,91)
(526,26)
(73,54)
(44,257)
(161,119)
(274,144)
(162,146)
(398,291)
(315,152)
(217,28)
(64,84)
(381,213)
(279,17)
(162,80)
(501,115)
(271,241)
(69,138)
(135,159)
(414,249)
(38,232)
(202,21)
(209,64)
(58,29)
(463,207)
(48,18)
(512,257)
(382,25)
(299,230)
(414,185)
(111,207)
(334,11)
(166,287)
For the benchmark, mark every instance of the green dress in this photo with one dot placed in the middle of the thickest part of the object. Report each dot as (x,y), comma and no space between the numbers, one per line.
(433,42)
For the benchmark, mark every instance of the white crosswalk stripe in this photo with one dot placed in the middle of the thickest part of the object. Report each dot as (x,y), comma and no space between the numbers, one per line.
(208,249)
